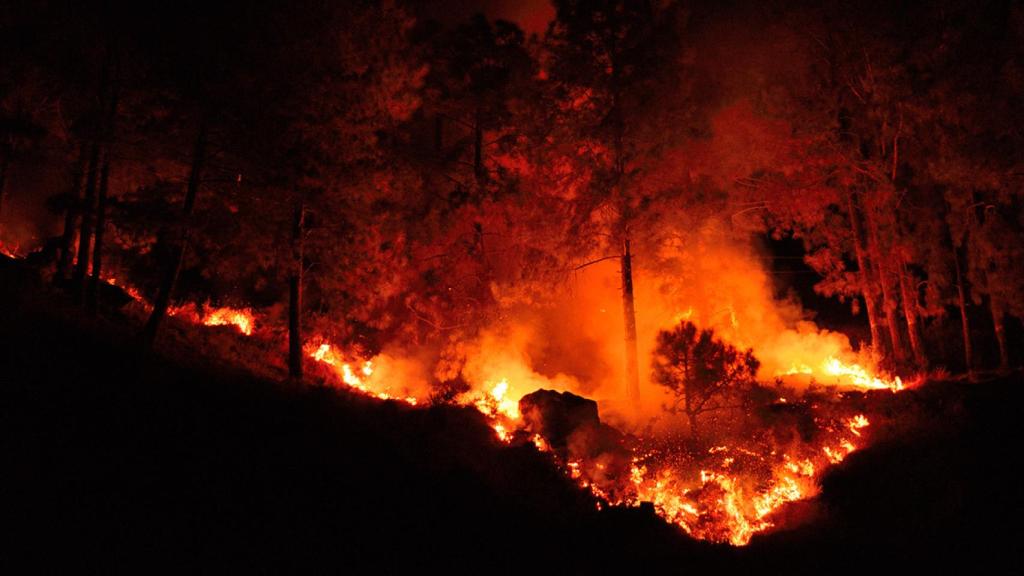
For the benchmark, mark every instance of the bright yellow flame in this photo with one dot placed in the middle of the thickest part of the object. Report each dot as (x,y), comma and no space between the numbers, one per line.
(502,433)
(860,377)
(497,402)
(242,319)
(355,379)
(854,375)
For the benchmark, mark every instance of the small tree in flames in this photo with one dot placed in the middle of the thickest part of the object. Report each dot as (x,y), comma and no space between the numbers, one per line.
(702,372)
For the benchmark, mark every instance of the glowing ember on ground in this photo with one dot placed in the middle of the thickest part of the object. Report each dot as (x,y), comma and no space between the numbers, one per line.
(725,505)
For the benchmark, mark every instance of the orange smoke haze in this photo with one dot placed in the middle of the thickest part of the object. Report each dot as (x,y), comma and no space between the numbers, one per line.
(574,342)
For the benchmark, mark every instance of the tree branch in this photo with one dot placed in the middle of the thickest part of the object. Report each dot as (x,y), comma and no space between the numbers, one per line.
(603,258)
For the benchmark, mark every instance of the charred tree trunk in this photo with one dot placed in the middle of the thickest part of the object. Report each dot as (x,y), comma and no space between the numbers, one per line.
(67,240)
(629,321)
(909,300)
(88,206)
(864,275)
(101,221)
(995,306)
(81,270)
(295,298)
(101,207)
(965,324)
(170,278)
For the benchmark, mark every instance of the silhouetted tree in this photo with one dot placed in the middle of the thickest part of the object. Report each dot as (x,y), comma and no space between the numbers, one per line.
(703,373)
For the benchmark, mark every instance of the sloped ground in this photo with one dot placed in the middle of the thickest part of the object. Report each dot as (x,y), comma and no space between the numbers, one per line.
(186,462)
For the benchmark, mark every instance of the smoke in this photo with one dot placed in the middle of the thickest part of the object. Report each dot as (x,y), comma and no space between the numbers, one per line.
(575,342)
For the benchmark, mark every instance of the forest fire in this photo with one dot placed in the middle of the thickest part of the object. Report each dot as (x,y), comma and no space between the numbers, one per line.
(735,495)
(683,258)
(723,494)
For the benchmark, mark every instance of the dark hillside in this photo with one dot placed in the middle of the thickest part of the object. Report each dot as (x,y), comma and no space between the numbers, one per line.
(110,460)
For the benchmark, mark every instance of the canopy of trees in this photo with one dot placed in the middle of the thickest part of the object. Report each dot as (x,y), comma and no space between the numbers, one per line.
(381,178)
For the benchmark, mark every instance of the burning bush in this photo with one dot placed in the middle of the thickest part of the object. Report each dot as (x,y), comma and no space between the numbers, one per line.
(703,373)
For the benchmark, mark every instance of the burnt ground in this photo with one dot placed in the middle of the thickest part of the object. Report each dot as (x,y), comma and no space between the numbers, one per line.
(181,461)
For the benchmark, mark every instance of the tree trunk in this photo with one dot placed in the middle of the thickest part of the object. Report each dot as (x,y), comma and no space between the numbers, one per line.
(97,133)
(85,232)
(891,316)
(889,304)
(67,240)
(864,275)
(995,306)
(694,431)
(170,278)
(295,298)
(101,220)
(101,205)
(629,318)
(910,312)
(965,324)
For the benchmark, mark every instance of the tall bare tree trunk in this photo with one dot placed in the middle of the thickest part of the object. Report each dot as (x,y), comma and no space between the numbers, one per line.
(101,206)
(101,221)
(88,208)
(995,306)
(67,240)
(295,298)
(965,324)
(170,278)
(864,275)
(629,321)
(909,300)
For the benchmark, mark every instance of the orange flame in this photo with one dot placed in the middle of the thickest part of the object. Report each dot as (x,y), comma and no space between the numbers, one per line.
(852,375)
(242,319)
(360,379)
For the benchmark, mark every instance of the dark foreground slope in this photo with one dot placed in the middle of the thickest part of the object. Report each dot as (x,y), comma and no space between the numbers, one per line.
(185,462)
(110,460)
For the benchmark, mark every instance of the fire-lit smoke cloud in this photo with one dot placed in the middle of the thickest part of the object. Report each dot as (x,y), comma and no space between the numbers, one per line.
(575,341)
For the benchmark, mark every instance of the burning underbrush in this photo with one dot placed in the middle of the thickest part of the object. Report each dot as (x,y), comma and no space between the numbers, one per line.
(743,474)
(722,488)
